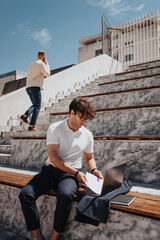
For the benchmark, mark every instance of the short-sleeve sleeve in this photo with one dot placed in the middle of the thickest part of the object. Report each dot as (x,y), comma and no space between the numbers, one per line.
(52,135)
(89,148)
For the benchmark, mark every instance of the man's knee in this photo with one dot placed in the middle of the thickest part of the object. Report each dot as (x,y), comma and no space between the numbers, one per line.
(65,196)
(26,195)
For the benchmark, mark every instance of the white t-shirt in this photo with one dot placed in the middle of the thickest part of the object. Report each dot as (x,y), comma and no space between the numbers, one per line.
(72,145)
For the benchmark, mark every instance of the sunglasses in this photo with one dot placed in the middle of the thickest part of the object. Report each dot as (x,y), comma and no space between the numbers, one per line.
(81,117)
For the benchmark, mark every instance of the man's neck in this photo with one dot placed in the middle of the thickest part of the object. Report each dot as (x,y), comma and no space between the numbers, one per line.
(74,129)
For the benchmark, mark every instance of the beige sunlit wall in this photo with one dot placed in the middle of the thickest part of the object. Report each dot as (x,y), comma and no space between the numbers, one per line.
(131,43)
(137,41)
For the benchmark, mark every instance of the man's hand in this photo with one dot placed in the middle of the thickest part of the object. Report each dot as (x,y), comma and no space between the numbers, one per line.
(98,174)
(45,61)
(81,177)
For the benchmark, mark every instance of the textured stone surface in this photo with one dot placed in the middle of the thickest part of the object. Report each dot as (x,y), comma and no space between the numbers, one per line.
(5,148)
(149,96)
(123,99)
(5,140)
(138,83)
(126,99)
(138,73)
(33,157)
(119,225)
(142,157)
(144,65)
(132,122)
(129,122)
(6,235)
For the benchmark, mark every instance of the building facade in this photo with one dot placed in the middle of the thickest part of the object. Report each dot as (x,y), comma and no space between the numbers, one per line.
(130,43)
(92,47)
(9,77)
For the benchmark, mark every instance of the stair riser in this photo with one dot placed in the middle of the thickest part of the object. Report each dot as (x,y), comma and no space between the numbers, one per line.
(131,122)
(5,141)
(126,99)
(138,73)
(87,90)
(5,149)
(5,160)
(141,157)
(62,105)
(121,224)
(20,128)
(139,83)
(144,65)
(149,96)
(92,89)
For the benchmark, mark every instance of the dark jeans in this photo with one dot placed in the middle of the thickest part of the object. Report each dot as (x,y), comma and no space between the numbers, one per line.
(36,98)
(49,178)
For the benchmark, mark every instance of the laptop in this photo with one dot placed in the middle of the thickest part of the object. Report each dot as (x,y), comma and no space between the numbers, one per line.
(113,179)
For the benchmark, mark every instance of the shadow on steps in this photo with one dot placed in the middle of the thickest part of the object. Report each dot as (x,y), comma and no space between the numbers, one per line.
(7,235)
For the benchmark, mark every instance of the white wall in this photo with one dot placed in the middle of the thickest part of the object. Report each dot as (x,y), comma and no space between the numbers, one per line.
(17,102)
(103,65)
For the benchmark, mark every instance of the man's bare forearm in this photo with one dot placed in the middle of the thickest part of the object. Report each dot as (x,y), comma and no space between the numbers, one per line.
(91,163)
(62,165)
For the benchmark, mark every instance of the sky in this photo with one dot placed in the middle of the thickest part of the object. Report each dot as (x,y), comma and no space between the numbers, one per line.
(56,26)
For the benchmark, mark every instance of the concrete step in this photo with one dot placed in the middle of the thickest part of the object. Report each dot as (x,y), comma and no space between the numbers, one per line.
(5,154)
(117,220)
(126,122)
(5,149)
(144,65)
(26,134)
(142,156)
(6,235)
(5,140)
(5,159)
(110,101)
(123,85)
(138,73)
(122,121)
(135,96)
(91,88)
(5,128)
(24,127)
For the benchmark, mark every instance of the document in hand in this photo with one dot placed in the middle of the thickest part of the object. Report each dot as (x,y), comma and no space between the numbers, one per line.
(94,183)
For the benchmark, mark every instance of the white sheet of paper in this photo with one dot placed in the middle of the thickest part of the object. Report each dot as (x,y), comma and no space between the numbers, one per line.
(94,183)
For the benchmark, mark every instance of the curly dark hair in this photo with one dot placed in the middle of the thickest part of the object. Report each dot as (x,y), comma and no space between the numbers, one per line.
(83,106)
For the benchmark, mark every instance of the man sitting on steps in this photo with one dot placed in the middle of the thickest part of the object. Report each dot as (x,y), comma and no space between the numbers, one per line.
(67,142)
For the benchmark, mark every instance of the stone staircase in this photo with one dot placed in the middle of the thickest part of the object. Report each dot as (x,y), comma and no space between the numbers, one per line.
(126,129)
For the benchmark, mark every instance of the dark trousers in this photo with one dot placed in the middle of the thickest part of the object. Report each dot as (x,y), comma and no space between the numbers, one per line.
(36,98)
(49,178)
